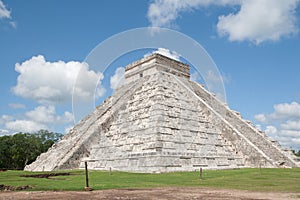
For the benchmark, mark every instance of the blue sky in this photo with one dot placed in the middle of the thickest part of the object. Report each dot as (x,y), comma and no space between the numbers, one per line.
(255,45)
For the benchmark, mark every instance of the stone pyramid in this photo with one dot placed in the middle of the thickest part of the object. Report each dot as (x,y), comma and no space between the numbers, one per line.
(161,121)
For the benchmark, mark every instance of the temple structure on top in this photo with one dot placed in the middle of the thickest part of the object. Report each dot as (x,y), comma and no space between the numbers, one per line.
(161,121)
(153,64)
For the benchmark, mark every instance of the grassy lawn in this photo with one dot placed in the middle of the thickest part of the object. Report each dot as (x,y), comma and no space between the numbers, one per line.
(277,180)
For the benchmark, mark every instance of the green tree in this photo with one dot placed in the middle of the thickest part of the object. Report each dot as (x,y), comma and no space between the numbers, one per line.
(18,150)
(47,139)
(5,152)
(296,153)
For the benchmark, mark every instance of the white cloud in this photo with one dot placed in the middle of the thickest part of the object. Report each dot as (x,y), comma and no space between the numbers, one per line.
(42,114)
(260,20)
(286,110)
(290,133)
(271,130)
(291,125)
(41,117)
(25,126)
(260,118)
(118,78)
(5,118)
(47,115)
(165,52)
(256,20)
(161,13)
(287,138)
(296,141)
(283,124)
(52,82)
(3,132)
(283,111)
(4,13)
(17,105)
(66,118)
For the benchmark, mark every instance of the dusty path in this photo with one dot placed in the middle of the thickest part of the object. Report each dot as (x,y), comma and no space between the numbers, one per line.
(156,193)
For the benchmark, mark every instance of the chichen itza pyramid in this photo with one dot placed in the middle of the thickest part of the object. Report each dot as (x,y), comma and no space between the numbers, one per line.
(161,121)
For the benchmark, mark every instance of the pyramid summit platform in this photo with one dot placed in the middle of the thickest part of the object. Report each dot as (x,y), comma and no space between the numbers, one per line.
(161,121)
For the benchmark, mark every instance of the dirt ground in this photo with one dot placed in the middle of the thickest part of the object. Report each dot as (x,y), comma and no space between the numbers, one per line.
(156,193)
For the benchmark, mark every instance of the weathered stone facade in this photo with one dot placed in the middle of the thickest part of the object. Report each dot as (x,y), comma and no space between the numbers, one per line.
(160,121)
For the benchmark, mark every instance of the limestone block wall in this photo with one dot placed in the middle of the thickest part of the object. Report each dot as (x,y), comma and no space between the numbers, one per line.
(161,129)
(154,63)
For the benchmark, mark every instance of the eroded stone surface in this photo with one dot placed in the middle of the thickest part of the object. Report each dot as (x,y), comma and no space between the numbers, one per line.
(159,122)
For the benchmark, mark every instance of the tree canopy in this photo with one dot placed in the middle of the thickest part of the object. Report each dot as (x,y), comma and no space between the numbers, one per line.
(298,153)
(21,149)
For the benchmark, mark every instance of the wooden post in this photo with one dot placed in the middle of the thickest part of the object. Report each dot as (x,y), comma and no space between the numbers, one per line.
(87,188)
(201,172)
(86,175)
(260,167)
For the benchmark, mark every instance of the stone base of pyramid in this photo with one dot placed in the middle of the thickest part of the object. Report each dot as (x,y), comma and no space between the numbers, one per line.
(166,162)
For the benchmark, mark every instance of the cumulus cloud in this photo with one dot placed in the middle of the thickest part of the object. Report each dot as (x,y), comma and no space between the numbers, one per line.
(48,84)
(4,13)
(288,138)
(165,52)
(291,133)
(286,110)
(260,118)
(282,111)
(161,13)
(5,118)
(271,130)
(256,20)
(47,114)
(41,117)
(17,105)
(52,82)
(118,78)
(283,124)
(3,132)
(168,53)
(26,126)
(291,125)
(260,20)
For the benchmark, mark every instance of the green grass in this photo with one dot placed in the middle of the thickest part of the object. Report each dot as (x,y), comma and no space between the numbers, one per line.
(277,180)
